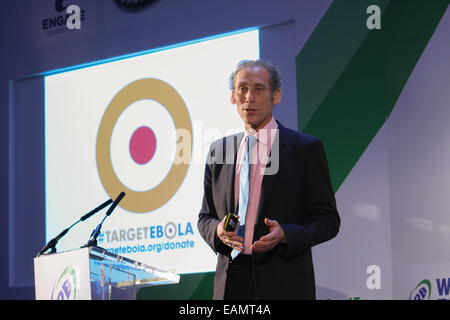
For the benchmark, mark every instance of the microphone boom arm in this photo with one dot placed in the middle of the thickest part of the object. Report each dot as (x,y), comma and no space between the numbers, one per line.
(96,232)
(52,243)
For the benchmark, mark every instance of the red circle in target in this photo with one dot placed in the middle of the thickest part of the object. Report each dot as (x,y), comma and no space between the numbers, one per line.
(142,145)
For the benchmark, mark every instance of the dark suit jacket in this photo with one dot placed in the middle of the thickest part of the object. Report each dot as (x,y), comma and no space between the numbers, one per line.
(299,196)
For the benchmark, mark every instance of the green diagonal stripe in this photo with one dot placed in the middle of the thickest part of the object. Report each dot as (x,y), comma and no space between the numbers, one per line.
(364,73)
(328,51)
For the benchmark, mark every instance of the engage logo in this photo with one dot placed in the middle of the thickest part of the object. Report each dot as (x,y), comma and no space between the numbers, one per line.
(67,17)
(65,287)
(424,290)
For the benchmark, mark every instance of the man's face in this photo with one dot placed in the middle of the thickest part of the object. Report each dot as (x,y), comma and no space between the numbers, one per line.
(253,96)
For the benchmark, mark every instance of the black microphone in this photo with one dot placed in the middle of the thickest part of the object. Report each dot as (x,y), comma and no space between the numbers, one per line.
(96,232)
(52,243)
(115,203)
(94,211)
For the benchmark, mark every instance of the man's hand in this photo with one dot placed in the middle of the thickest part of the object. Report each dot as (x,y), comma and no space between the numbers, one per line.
(230,238)
(275,236)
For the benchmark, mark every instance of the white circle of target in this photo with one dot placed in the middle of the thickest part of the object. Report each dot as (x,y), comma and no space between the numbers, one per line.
(143,177)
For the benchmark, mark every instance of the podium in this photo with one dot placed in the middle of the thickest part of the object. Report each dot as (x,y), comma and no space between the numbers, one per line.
(92,273)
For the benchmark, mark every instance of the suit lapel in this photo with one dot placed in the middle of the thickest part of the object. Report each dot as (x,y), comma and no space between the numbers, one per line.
(277,156)
(231,167)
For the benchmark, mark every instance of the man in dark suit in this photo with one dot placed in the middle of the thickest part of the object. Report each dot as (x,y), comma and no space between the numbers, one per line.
(291,204)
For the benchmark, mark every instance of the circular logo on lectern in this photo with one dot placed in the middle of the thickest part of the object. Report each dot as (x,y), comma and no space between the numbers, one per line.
(422,291)
(66,285)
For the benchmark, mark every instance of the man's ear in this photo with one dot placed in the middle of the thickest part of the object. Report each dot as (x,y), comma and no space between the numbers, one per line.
(232,98)
(276,96)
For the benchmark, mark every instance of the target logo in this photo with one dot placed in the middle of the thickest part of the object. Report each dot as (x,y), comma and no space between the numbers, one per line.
(139,149)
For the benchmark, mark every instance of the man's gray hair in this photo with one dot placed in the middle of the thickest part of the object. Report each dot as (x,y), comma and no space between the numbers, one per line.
(275,77)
